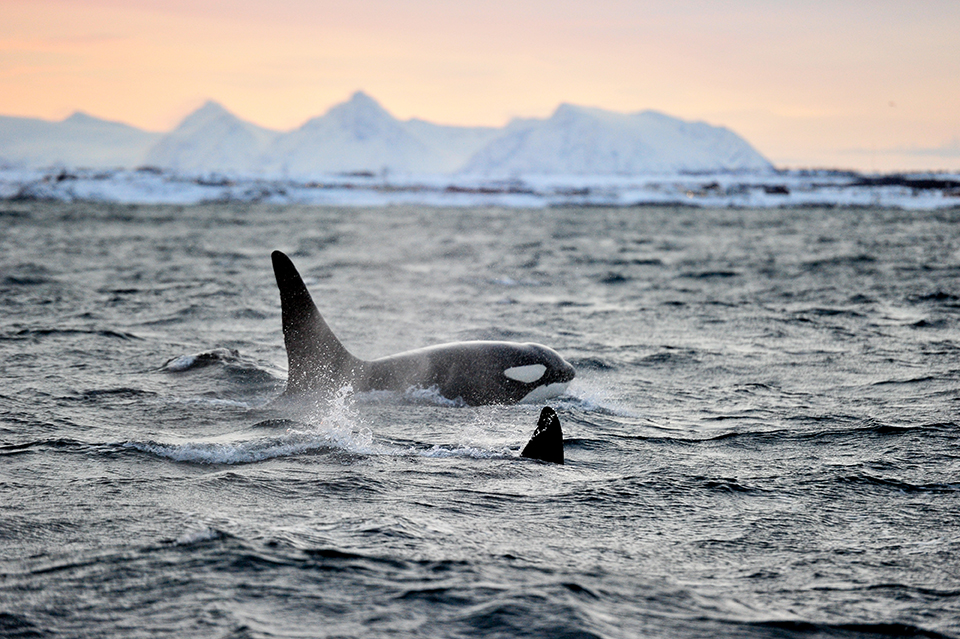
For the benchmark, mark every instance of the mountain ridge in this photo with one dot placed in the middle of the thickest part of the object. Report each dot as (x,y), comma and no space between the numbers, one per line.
(359,135)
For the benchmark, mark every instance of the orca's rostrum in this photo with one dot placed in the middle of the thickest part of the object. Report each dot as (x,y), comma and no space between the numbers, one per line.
(475,372)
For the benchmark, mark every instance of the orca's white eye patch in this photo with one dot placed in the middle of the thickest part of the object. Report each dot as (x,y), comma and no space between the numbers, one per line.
(526,374)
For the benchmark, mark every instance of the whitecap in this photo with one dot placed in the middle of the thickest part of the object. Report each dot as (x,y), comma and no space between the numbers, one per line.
(197,536)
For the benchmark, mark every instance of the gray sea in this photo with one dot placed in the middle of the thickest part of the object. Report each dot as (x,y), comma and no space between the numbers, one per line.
(762,439)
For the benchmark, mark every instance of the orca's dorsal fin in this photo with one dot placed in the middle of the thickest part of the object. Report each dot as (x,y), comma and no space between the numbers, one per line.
(316,360)
(547,441)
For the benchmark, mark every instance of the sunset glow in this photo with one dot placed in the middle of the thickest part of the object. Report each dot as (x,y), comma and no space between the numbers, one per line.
(843,84)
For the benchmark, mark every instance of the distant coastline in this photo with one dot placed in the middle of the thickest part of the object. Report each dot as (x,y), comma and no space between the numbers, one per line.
(152,185)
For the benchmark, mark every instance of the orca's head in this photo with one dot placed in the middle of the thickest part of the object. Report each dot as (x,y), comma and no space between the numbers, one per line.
(541,372)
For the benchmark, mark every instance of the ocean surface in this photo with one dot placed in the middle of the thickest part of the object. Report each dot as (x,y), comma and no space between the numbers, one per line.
(762,439)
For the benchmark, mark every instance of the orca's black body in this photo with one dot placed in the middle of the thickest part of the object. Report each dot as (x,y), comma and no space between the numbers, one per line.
(480,372)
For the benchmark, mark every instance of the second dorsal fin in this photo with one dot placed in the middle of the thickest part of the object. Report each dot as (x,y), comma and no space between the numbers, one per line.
(547,441)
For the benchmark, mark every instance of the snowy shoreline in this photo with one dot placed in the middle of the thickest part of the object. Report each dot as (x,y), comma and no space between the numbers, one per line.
(761,189)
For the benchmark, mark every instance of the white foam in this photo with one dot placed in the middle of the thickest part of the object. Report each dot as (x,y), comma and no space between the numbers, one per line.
(197,536)
(182,363)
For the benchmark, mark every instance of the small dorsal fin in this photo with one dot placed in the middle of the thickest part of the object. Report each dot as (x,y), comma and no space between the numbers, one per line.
(547,441)
(316,359)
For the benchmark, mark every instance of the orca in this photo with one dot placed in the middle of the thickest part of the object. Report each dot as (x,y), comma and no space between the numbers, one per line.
(547,441)
(475,372)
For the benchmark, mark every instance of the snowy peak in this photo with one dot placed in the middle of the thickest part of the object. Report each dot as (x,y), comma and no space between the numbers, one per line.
(211,139)
(587,140)
(84,124)
(359,109)
(356,136)
(361,119)
(210,112)
(213,115)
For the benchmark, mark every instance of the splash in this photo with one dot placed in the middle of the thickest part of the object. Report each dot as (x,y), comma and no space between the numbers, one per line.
(325,426)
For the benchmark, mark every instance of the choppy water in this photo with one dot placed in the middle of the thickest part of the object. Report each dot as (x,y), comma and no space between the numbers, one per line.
(762,439)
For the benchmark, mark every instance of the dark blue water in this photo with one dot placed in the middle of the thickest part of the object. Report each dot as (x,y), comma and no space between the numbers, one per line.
(762,439)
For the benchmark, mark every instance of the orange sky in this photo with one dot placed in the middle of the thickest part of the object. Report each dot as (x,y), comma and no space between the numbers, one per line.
(851,84)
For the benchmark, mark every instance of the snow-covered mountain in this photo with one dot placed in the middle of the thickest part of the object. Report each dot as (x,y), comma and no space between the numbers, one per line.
(78,141)
(212,139)
(359,135)
(580,140)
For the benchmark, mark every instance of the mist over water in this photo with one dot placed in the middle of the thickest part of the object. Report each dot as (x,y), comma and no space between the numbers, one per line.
(761,439)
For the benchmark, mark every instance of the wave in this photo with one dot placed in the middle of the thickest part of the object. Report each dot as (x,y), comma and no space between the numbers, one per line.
(37,333)
(70,445)
(806,628)
(13,625)
(218,402)
(819,427)
(122,392)
(840,260)
(341,435)
(292,443)
(185,363)
(937,296)
(198,536)
(333,428)
(298,439)
(707,275)
(445,452)
(825,311)
(899,485)
(910,380)
(226,363)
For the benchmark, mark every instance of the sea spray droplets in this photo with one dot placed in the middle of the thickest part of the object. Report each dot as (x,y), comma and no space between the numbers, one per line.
(330,425)
(336,424)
